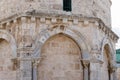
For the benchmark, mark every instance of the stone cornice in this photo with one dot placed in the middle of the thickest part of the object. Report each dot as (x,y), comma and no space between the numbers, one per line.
(54,18)
(108,31)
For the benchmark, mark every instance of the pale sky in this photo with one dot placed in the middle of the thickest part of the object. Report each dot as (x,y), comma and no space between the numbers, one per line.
(115,13)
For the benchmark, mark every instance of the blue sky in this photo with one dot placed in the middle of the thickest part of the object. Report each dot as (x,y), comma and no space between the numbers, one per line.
(115,14)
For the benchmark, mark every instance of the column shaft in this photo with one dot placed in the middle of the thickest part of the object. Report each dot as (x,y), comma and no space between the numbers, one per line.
(26,69)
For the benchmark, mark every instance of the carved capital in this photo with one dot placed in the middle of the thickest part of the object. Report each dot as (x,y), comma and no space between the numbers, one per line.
(36,62)
(95,49)
(86,22)
(112,69)
(15,63)
(15,21)
(86,63)
(95,58)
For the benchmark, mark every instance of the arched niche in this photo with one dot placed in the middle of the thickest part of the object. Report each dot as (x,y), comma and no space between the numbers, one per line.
(11,40)
(106,42)
(106,66)
(108,55)
(60,59)
(74,34)
(7,69)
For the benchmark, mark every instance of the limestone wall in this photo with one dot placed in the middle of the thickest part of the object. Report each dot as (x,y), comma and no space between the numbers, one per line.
(84,8)
(7,70)
(57,46)
(54,44)
(60,59)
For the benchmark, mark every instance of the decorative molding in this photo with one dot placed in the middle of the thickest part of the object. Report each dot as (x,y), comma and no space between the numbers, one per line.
(75,21)
(42,19)
(85,63)
(36,62)
(24,19)
(33,19)
(86,22)
(65,19)
(46,34)
(54,20)
(15,21)
(8,24)
(96,23)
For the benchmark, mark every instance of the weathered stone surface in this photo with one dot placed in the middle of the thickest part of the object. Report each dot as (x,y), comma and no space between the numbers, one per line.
(40,41)
(6,66)
(92,8)
(60,59)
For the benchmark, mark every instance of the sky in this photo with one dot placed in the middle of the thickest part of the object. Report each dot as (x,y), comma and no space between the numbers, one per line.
(115,14)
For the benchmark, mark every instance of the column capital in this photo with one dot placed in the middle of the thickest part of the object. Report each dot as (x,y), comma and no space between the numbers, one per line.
(36,62)
(112,69)
(96,56)
(15,64)
(96,60)
(95,48)
(86,62)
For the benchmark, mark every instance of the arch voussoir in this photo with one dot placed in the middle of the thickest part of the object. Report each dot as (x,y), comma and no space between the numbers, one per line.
(10,39)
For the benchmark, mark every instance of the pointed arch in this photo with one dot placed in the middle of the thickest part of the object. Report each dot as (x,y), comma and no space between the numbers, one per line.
(60,54)
(108,55)
(7,54)
(73,34)
(106,66)
(107,43)
(10,39)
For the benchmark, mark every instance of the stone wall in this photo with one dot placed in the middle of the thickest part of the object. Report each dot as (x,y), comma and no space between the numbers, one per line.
(39,39)
(60,59)
(83,8)
(49,42)
(7,70)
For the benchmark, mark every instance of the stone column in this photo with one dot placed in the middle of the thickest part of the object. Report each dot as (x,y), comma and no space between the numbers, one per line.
(35,64)
(26,69)
(113,75)
(34,72)
(95,63)
(94,74)
(86,69)
(25,50)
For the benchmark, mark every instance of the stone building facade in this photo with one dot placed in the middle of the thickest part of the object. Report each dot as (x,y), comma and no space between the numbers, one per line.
(39,40)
